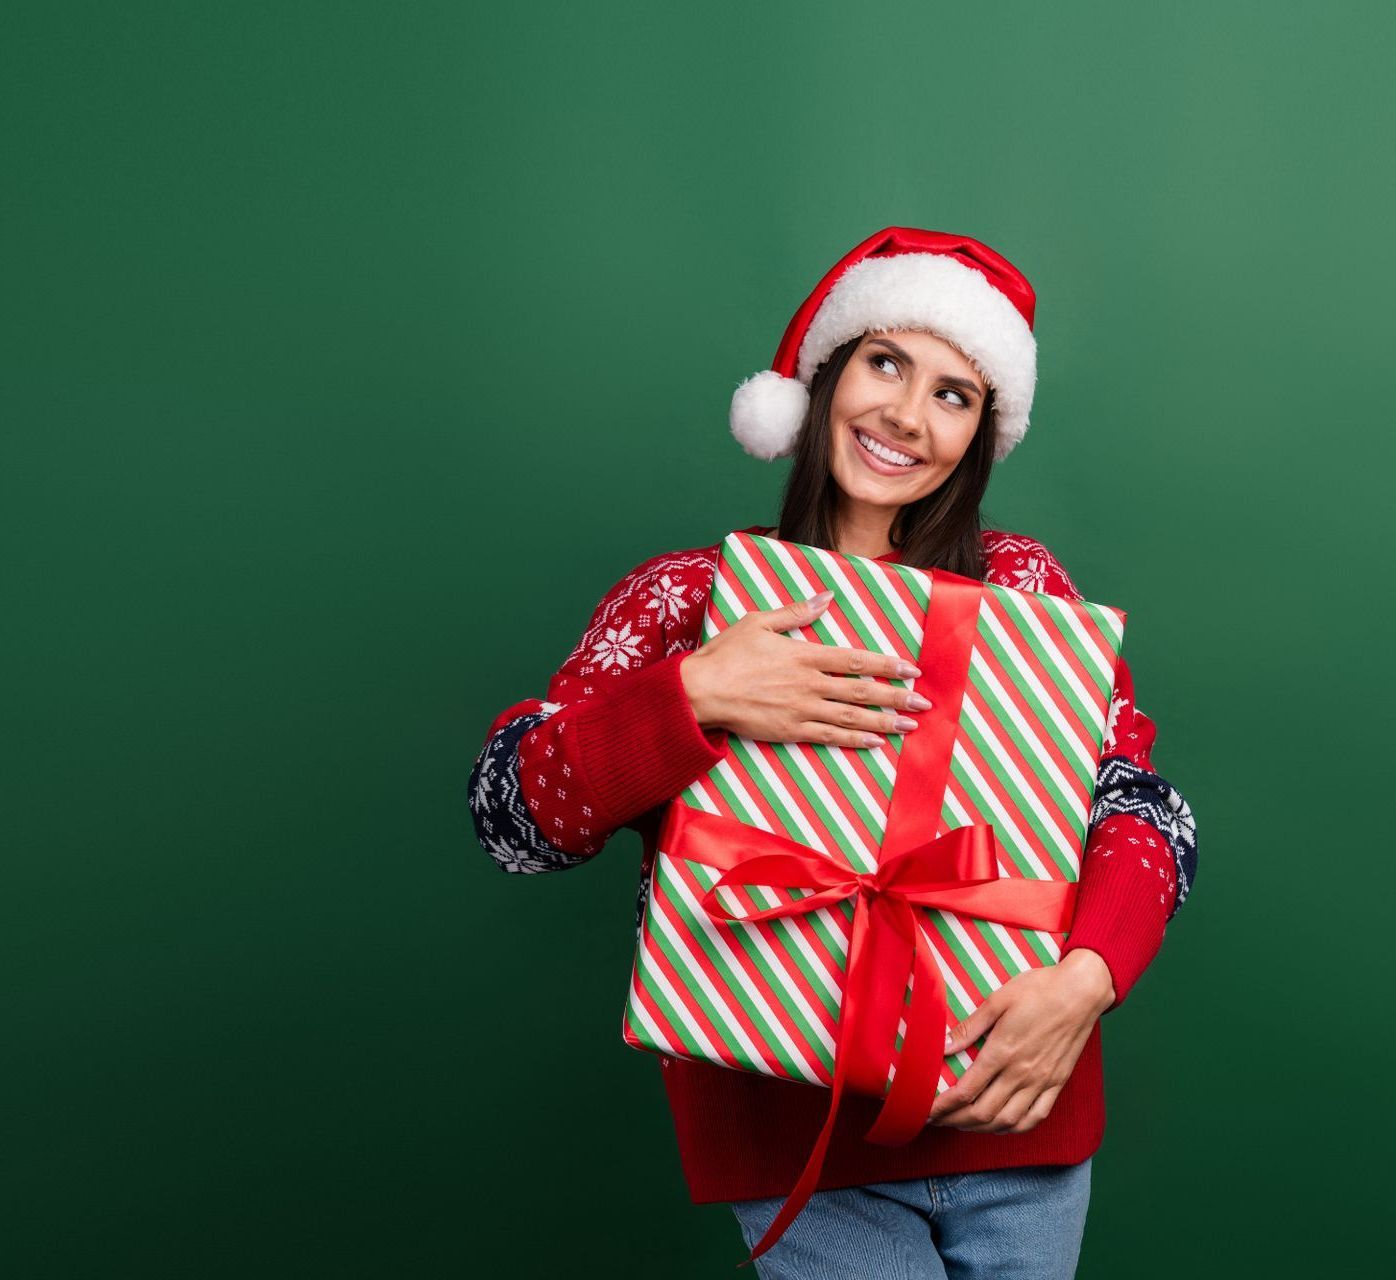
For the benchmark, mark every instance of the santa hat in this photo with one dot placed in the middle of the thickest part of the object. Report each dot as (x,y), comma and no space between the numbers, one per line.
(901,278)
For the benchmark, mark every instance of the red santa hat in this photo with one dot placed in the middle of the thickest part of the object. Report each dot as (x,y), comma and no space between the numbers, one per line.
(901,278)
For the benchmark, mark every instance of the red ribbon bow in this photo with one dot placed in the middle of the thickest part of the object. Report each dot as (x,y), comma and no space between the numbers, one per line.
(957,872)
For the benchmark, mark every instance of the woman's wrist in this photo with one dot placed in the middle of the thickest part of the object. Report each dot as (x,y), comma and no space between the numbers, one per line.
(1090,970)
(691,673)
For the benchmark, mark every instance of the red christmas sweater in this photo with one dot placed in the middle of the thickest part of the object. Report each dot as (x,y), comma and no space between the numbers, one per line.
(616,739)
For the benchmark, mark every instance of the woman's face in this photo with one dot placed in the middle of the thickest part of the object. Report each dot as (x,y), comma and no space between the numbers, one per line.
(909,394)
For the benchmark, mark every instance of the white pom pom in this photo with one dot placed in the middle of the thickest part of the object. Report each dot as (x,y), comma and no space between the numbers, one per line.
(767,413)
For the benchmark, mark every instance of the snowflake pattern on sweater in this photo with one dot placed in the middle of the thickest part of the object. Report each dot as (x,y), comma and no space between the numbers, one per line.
(529,815)
(615,738)
(503,823)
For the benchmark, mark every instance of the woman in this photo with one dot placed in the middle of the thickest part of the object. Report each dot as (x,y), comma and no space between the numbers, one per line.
(901,379)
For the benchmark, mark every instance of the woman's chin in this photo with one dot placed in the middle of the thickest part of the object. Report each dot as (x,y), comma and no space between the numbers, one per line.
(875,495)
(875,490)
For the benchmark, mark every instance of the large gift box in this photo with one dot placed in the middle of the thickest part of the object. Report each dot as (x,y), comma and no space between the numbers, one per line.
(821,914)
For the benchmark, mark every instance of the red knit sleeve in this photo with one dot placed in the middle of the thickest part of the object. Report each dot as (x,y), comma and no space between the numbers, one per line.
(615,735)
(1128,879)
(1128,875)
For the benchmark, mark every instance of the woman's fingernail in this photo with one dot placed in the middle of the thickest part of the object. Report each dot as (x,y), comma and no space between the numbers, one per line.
(904,724)
(823,597)
(915,702)
(906,671)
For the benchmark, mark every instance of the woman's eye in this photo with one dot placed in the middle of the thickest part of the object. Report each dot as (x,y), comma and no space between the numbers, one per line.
(881,355)
(960,399)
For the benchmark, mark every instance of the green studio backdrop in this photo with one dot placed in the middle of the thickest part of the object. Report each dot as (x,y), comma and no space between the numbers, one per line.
(354,350)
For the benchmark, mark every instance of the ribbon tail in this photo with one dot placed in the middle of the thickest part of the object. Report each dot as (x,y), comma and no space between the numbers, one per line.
(809,1177)
(907,1105)
(805,1187)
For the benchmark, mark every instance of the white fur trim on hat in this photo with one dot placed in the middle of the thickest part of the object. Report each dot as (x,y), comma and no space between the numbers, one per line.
(955,302)
(926,291)
(767,413)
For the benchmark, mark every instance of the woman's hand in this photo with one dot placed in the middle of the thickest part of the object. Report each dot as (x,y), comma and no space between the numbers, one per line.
(1041,1019)
(757,683)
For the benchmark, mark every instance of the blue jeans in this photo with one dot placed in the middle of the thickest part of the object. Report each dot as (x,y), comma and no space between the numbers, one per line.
(1009,1224)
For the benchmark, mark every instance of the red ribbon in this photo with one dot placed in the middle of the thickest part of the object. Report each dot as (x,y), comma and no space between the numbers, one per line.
(954,871)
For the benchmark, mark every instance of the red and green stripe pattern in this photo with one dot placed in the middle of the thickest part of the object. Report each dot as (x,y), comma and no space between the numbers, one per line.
(765,996)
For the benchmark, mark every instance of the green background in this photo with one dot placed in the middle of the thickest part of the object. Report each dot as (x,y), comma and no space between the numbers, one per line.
(353,350)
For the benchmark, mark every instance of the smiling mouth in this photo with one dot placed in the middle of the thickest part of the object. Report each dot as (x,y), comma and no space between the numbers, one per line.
(880,453)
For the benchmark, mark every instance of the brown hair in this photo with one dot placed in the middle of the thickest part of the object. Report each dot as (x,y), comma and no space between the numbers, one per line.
(939,531)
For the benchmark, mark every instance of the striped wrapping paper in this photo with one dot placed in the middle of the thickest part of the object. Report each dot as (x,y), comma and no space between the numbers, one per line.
(764,996)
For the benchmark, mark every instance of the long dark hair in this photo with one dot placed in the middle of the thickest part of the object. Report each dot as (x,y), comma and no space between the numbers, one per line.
(939,531)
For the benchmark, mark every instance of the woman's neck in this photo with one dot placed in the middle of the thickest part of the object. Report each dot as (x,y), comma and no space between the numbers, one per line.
(864,533)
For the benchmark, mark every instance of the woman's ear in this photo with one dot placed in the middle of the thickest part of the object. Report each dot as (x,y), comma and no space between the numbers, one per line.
(987,425)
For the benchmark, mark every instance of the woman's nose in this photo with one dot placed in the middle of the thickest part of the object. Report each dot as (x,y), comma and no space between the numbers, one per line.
(903,414)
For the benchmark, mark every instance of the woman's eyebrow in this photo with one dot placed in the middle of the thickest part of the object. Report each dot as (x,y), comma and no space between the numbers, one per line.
(963,383)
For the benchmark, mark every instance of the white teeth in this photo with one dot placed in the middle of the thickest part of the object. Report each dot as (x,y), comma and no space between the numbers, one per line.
(886,454)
